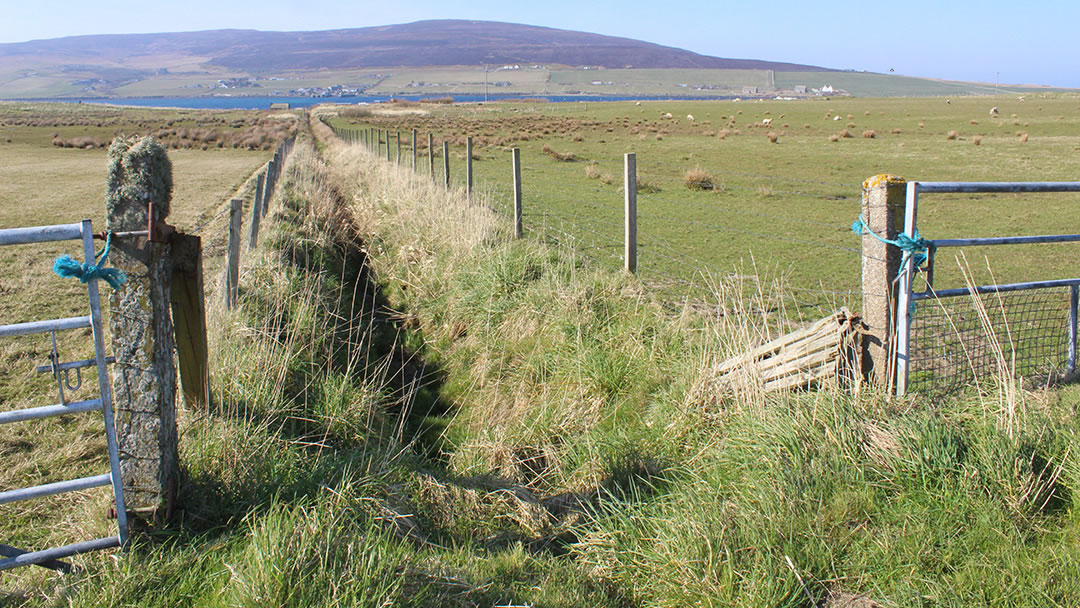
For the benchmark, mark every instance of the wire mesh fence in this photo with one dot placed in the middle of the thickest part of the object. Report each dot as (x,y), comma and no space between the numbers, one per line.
(963,341)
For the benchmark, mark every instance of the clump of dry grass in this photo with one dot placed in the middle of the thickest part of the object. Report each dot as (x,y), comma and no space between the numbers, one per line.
(897,131)
(977,140)
(973,122)
(834,138)
(1024,137)
(593,171)
(645,186)
(952,135)
(773,137)
(699,179)
(845,134)
(566,157)
(869,134)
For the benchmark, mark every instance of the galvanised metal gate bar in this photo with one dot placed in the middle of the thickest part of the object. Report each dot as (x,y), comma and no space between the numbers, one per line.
(16,557)
(907,273)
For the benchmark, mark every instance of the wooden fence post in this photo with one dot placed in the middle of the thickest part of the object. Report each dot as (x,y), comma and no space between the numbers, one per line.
(414,149)
(446,162)
(232,272)
(388,145)
(630,188)
(138,197)
(883,199)
(397,140)
(468,168)
(256,215)
(515,156)
(431,153)
(268,188)
(260,184)
(189,319)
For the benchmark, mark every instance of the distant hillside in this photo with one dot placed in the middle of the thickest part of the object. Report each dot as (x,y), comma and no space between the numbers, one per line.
(423,43)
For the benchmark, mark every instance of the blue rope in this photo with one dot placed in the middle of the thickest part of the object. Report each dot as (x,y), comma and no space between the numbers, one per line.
(915,247)
(68,267)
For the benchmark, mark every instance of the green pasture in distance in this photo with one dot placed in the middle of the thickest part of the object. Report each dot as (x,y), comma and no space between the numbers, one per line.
(779,209)
(468,79)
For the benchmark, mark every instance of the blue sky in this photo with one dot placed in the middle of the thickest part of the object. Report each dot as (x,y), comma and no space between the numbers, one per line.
(979,41)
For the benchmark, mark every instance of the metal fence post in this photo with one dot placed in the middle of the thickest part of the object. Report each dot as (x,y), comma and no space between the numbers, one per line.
(1074,300)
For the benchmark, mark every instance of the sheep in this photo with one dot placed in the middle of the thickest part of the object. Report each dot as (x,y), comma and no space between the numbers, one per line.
(837,117)
(765,122)
(993,112)
(1021,98)
(689,118)
(666,115)
(948,101)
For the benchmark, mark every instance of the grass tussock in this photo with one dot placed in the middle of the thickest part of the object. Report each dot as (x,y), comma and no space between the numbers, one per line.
(699,179)
(566,157)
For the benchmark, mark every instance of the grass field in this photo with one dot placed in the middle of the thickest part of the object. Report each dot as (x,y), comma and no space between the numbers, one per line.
(413,408)
(773,205)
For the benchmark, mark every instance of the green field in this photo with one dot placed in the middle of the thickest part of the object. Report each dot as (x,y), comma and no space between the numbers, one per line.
(412,408)
(785,208)
(188,78)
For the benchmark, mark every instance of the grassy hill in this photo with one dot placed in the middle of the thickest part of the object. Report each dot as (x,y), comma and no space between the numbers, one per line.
(423,58)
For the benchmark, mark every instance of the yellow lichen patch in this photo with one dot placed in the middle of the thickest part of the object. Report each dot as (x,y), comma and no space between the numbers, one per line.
(883,179)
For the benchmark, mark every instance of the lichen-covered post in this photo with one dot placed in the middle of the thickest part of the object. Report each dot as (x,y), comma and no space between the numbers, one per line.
(144,376)
(882,213)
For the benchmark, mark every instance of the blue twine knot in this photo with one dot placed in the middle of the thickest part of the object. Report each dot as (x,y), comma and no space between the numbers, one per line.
(67,267)
(914,247)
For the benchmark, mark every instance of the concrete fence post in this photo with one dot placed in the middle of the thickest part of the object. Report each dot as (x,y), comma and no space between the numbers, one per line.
(883,199)
(515,156)
(138,196)
(630,232)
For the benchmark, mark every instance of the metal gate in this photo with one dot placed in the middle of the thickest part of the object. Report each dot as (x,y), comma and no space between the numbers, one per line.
(1053,317)
(103,403)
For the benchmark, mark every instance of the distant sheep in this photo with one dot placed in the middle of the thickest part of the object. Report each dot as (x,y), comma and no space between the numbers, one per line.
(765,122)
(993,112)
(666,115)
(690,118)
(1021,98)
